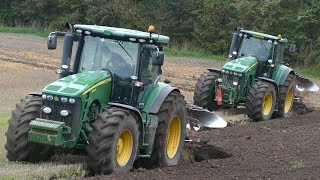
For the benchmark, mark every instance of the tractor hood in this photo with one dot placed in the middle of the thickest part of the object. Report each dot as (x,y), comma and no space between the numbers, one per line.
(241,64)
(77,84)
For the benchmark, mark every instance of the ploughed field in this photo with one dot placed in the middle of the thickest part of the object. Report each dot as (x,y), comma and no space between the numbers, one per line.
(276,149)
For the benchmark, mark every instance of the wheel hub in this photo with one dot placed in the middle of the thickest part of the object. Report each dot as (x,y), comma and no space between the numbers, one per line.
(289,99)
(174,135)
(124,147)
(267,105)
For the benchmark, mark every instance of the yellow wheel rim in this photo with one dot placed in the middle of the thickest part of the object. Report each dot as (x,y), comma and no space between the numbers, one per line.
(289,100)
(267,105)
(174,135)
(124,148)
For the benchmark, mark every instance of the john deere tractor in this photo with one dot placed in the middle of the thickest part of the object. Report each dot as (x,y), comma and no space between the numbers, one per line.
(109,104)
(253,76)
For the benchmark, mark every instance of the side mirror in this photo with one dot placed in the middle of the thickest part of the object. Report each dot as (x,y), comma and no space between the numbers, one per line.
(292,48)
(52,41)
(157,58)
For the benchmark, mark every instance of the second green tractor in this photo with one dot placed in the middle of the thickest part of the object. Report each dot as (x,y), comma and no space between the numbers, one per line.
(254,76)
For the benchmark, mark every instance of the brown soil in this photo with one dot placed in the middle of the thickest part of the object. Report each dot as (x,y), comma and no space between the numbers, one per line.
(276,149)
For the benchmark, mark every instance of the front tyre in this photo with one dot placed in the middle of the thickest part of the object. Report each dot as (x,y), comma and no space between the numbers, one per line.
(170,134)
(18,147)
(113,142)
(286,97)
(204,92)
(261,101)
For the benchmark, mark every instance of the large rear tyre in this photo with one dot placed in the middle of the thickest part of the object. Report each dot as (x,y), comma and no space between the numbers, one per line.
(261,101)
(285,97)
(113,142)
(204,92)
(170,134)
(18,147)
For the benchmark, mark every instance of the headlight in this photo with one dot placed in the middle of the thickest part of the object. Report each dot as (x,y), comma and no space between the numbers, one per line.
(223,71)
(50,97)
(64,99)
(71,100)
(227,72)
(240,75)
(219,80)
(235,83)
(64,113)
(47,110)
(44,96)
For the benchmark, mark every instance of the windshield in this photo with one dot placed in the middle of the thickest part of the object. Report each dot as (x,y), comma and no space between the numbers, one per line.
(119,57)
(260,48)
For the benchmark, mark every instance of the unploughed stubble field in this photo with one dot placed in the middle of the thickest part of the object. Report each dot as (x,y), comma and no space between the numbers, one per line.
(27,66)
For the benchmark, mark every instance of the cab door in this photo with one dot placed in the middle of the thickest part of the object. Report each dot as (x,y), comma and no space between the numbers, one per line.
(148,74)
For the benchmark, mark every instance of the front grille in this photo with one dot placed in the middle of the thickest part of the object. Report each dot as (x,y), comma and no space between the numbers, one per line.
(228,79)
(71,120)
(230,92)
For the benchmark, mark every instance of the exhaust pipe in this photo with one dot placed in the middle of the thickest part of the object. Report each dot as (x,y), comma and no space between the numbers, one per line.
(66,55)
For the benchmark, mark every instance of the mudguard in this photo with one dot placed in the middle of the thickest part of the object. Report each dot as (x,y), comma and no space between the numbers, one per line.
(270,81)
(214,70)
(160,99)
(281,73)
(36,93)
(285,75)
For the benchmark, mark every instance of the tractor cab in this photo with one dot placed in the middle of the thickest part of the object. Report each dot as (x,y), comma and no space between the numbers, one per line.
(266,49)
(133,58)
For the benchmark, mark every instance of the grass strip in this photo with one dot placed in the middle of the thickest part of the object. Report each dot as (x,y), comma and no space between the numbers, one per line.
(170,51)
(4,120)
(25,30)
(16,170)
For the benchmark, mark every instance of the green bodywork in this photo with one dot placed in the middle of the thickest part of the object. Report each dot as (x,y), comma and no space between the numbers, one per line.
(246,65)
(87,87)
(241,65)
(94,90)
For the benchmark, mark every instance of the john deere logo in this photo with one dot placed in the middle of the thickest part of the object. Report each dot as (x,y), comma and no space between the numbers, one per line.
(56,98)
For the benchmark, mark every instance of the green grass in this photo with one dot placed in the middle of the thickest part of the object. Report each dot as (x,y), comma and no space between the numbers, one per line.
(191,53)
(4,120)
(297,164)
(310,73)
(25,30)
(14,170)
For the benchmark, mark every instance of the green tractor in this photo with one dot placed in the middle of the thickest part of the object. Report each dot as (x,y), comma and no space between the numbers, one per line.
(109,104)
(254,76)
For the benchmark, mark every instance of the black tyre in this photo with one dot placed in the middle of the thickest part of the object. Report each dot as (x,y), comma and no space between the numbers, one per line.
(204,92)
(18,147)
(113,142)
(261,101)
(286,97)
(170,134)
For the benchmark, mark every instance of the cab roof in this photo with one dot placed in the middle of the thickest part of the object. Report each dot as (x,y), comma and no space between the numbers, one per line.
(264,36)
(124,34)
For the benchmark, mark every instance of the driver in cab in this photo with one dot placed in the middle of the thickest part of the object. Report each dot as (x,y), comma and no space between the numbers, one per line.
(113,61)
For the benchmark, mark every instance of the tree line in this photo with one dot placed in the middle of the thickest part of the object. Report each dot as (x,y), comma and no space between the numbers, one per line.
(204,25)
